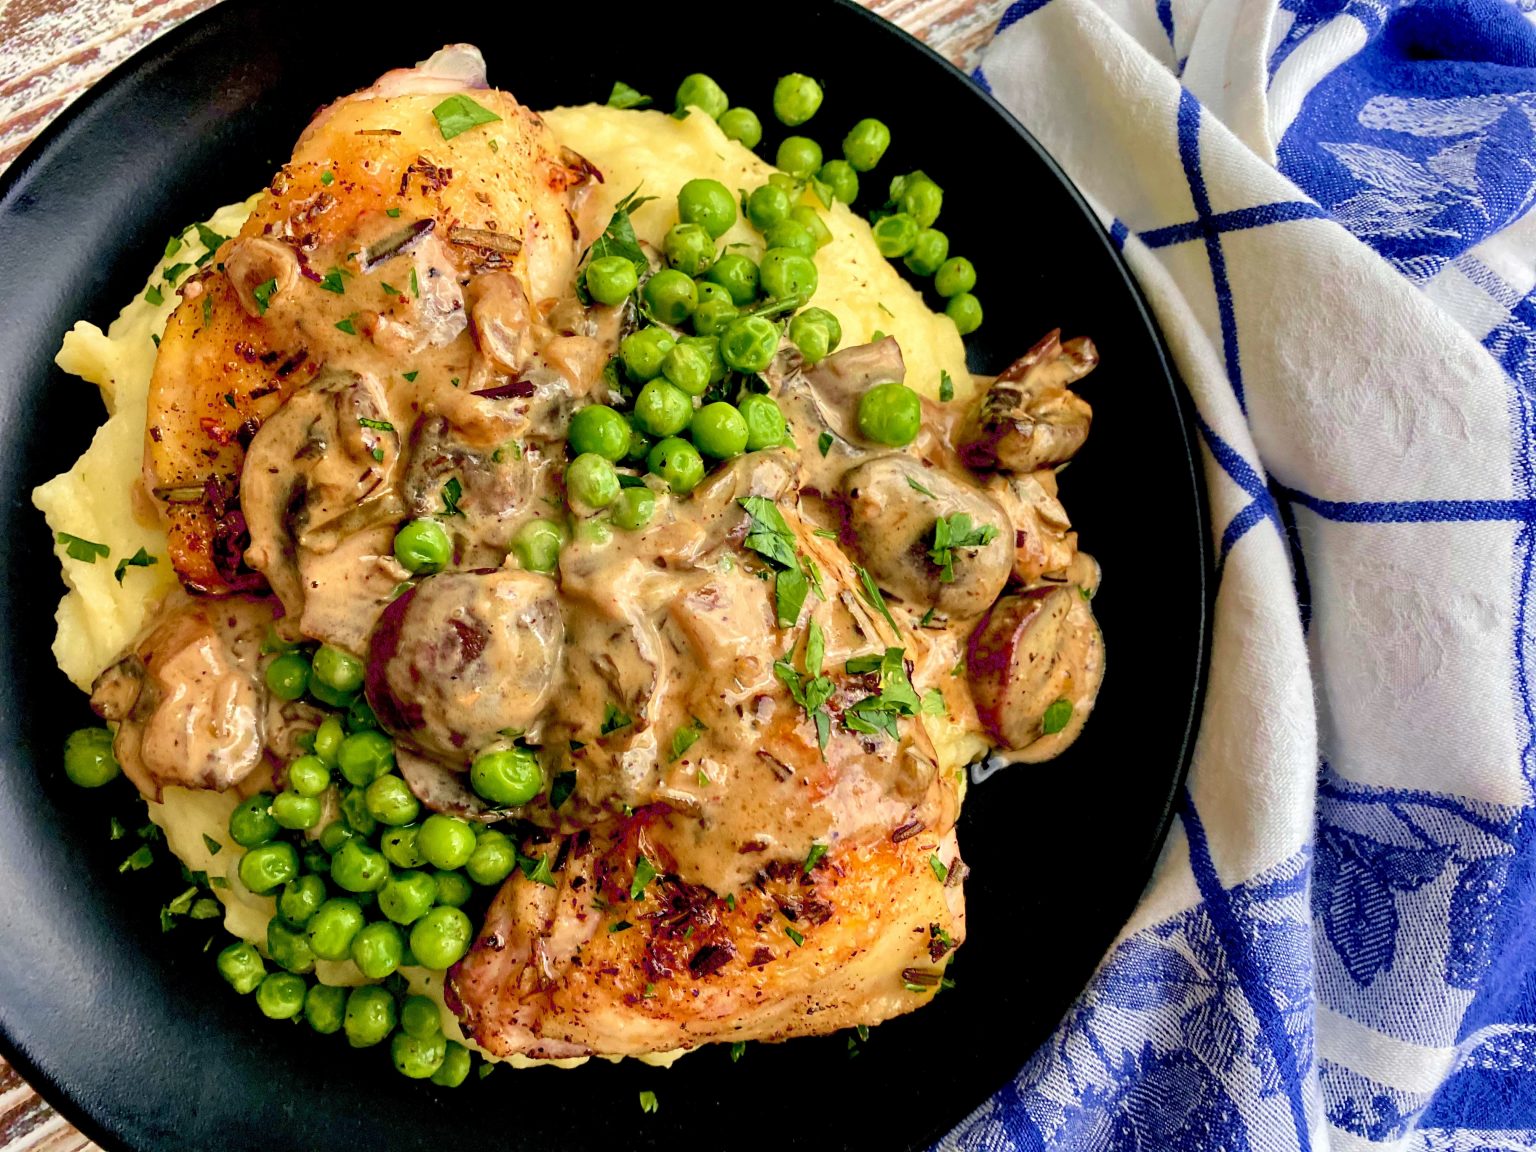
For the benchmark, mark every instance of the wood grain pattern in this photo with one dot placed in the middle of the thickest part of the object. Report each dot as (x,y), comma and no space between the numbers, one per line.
(53,50)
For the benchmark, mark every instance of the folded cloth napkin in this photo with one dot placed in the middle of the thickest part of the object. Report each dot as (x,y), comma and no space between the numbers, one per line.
(1327,204)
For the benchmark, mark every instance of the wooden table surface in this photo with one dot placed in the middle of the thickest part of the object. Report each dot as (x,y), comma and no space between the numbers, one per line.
(51,51)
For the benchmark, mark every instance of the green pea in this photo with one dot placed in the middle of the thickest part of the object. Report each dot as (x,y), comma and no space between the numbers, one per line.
(796,98)
(329,696)
(791,235)
(288,676)
(328,738)
(719,430)
(610,279)
(712,315)
(895,235)
(701,92)
(378,949)
(737,275)
(289,947)
(965,310)
(766,427)
(748,343)
(333,926)
(445,841)
(815,332)
(919,197)
(689,248)
(242,966)
(663,409)
(800,156)
(295,812)
(594,530)
(597,428)
(354,810)
(865,143)
(308,776)
(301,899)
(88,759)
(634,508)
(639,442)
(709,348)
(955,275)
(670,296)
(323,1008)
(509,777)
(268,866)
(370,1015)
(707,203)
(929,250)
(365,756)
(420,1017)
(890,413)
(788,275)
(390,801)
(493,859)
(357,867)
(280,996)
(416,1057)
(452,889)
(407,896)
(687,369)
(810,219)
(537,545)
(642,352)
(399,846)
(454,1069)
(334,835)
(251,822)
(339,671)
(316,861)
(842,178)
(591,482)
(678,463)
(743,126)
(767,206)
(423,547)
(441,937)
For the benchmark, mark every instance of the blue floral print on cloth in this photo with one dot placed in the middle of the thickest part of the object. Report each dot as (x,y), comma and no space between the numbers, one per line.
(1328,205)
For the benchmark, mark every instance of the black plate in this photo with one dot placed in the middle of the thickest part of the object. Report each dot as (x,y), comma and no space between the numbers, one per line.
(133,1034)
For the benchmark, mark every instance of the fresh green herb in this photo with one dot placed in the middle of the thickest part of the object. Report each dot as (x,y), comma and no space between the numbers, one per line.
(458,114)
(452,493)
(229,399)
(415,287)
(346,325)
(116,829)
(614,718)
(876,336)
(183,903)
(1056,717)
(730,901)
(863,1032)
(378,455)
(872,594)
(172,246)
(897,698)
(768,535)
(939,868)
(952,532)
(916,487)
(142,858)
(537,869)
(263,294)
(645,872)
(927,619)
(685,738)
(623,96)
(813,573)
(793,935)
(333,283)
(392,213)
(140,559)
(152,295)
(79,548)
(826,533)
(648,1102)
(154,339)
(1087,593)
(410,377)
(213,846)
(209,239)
(946,387)
(376,425)
(933,704)
(327,177)
(390,289)
(620,926)
(815,649)
(171,271)
(205,908)
(789,590)
(207,310)
(824,442)
(618,239)
(859,665)
(813,857)
(218,882)
(737,1049)
(560,791)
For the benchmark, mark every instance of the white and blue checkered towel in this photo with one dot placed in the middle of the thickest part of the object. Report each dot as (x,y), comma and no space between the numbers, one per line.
(1328,204)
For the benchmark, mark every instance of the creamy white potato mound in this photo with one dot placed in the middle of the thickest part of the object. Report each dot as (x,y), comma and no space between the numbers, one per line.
(102,499)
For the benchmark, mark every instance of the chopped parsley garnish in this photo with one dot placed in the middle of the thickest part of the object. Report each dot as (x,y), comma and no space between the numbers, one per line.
(826,533)
(824,442)
(392,213)
(142,858)
(376,425)
(390,289)
(813,857)
(205,908)
(648,1102)
(951,532)
(1056,717)
(897,698)
(768,535)
(207,310)
(153,295)
(939,868)
(410,377)
(645,872)
(560,791)
(810,691)
(813,573)
(916,487)
(872,594)
(618,239)
(332,282)
(614,718)
(815,649)
(80,548)
(171,271)
(859,665)
(863,1032)
(730,901)
(537,869)
(946,387)
(933,704)
(172,246)
(452,493)
(116,829)
(620,926)
(378,455)
(140,559)
(346,325)
(793,935)
(154,339)
(263,294)
(685,738)
(209,239)
(789,589)
(415,287)
(327,177)
(458,114)
(213,846)
(737,1049)
(623,96)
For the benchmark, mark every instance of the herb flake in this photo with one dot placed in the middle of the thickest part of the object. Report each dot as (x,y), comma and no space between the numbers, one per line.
(79,548)
(458,114)
(140,559)
(624,96)
(952,532)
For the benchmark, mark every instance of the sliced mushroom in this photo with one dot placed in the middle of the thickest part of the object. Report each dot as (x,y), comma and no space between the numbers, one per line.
(1036,655)
(1044,543)
(826,396)
(501,321)
(252,261)
(894,503)
(464,658)
(1030,418)
(444,789)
